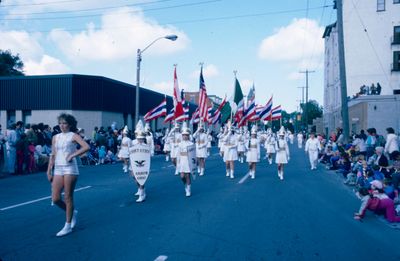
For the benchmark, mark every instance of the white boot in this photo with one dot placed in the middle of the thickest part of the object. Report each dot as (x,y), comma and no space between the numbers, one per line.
(231,175)
(270,161)
(252,174)
(74,218)
(176,172)
(198,170)
(167,158)
(65,231)
(281,177)
(125,168)
(201,171)
(227,172)
(138,192)
(188,191)
(142,196)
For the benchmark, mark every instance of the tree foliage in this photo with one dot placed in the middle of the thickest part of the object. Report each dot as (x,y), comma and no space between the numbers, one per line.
(314,110)
(10,65)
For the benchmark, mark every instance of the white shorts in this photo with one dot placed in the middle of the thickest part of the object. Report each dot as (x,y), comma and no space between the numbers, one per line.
(69,169)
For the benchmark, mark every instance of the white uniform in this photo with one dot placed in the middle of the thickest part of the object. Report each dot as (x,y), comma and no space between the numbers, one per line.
(124,150)
(270,143)
(241,143)
(230,144)
(253,150)
(150,142)
(167,144)
(176,139)
(282,151)
(209,140)
(64,146)
(183,159)
(300,140)
(312,147)
(201,145)
(291,138)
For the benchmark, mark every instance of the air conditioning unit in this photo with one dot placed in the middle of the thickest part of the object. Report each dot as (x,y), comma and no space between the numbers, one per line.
(396,91)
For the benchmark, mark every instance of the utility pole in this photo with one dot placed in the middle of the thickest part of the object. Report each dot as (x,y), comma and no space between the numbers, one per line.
(306,104)
(342,71)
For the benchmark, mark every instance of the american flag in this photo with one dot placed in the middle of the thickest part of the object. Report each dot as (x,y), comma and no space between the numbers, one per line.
(178,107)
(195,116)
(217,113)
(203,107)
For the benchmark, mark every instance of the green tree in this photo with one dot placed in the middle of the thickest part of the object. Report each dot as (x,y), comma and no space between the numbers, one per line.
(314,110)
(10,65)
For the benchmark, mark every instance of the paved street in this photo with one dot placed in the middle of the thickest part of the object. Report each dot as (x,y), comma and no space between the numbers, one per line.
(308,216)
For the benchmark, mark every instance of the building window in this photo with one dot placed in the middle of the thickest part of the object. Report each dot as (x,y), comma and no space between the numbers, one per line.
(380,5)
(396,34)
(396,1)
(11,117)
(396,61)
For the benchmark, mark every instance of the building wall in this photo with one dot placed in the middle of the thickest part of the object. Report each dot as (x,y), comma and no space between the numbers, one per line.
(369,56)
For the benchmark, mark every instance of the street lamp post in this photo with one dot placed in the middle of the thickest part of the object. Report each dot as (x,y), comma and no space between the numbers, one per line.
(139,59)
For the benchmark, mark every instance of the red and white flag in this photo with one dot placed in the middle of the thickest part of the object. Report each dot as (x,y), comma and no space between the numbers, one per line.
(203,107)
(178,107)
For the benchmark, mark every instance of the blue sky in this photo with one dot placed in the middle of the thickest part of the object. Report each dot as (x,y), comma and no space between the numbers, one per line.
(267,42)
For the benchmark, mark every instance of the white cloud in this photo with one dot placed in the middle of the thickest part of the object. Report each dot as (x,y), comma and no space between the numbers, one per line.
(21,42)
(31,53)
(302,38)
(246,84)
(47,65)
(121,33)
(208,72)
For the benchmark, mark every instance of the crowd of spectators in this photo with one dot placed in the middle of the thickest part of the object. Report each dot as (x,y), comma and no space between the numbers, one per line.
(369,162)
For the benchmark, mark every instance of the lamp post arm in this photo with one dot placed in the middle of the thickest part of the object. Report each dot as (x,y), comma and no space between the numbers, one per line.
(144,49)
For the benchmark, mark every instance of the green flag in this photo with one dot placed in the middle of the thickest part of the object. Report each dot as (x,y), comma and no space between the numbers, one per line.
(226,112)
(238,94)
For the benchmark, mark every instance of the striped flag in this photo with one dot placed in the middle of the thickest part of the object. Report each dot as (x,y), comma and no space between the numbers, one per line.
(238,101)
(195,117)
(217,113)
(170,116)
(185,115)
(209,114)
(250,110)
(276,113)
(158,111)
(203,110)
(265,113)
(178,105)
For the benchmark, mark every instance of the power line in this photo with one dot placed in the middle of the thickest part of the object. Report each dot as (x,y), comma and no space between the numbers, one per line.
(221,18)
(44,3)
(315,42)
(90,9)
(95,15)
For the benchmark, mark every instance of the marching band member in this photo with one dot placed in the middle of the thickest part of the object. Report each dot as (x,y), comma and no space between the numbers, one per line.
(253,152)
(209,140)
(167,144)
(149,138)
(291,137)
(201,148)
(300,139)
(230,153)
(140,139)
(183,159)
(123,153)
(220,136)
(269,144)
(176,138)
(282,152)
(241,148)
(312,147)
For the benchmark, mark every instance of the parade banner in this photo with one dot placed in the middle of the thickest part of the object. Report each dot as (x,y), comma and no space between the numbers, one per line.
(191,150)
(139,155)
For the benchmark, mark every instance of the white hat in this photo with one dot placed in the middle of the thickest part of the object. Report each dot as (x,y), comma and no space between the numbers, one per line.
(125,130)
(254,129)
(281,131)
(185,129)
(376,184)
(139,134)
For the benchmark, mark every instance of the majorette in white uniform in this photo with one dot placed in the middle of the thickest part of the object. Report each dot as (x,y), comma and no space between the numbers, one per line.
(209,140)
(253,152)
(300,139)
(241,148)
(201,140)
(140,138)
(291,137)
(230,153)
(282,152)
(167,144)
(149,138)
(312,147)
(220,137)
(183,159)
(269,144)
(176,138)
(123,153)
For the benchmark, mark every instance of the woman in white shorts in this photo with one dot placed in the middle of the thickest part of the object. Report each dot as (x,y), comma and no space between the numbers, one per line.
(66,171)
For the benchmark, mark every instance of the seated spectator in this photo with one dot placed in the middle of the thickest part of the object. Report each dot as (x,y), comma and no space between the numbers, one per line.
(41,157)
